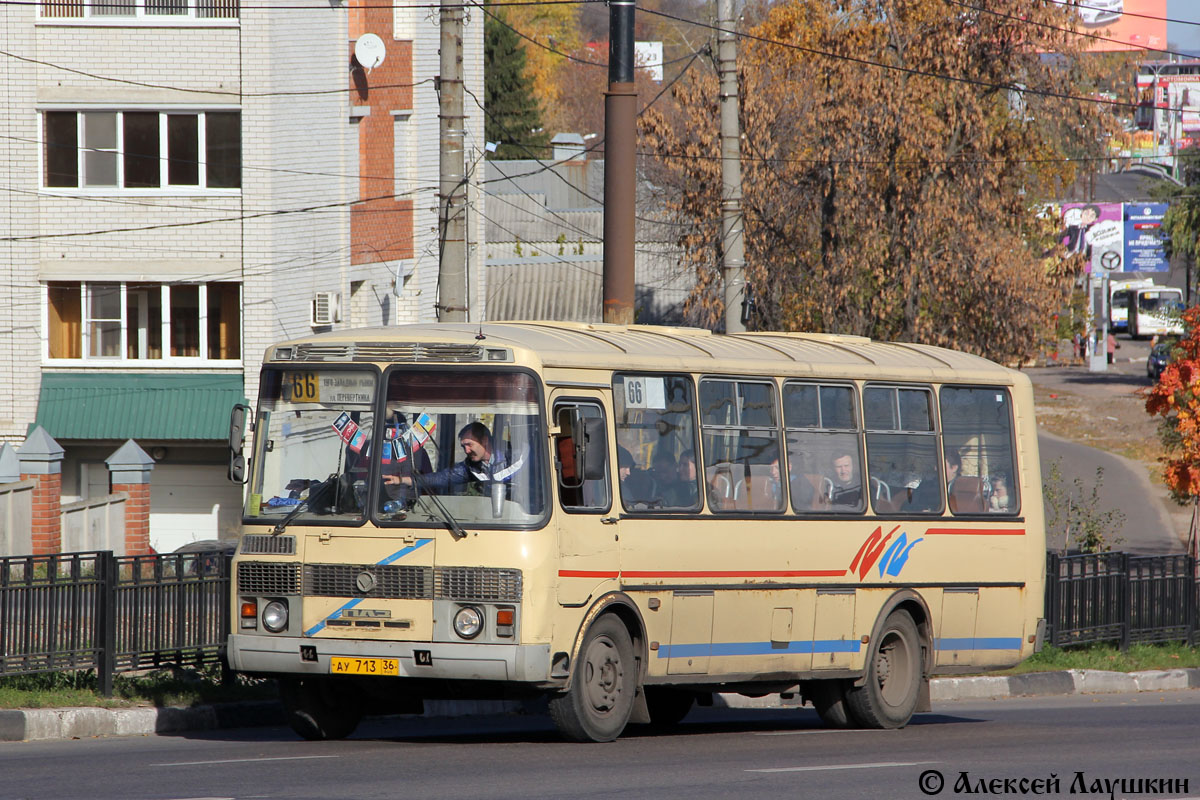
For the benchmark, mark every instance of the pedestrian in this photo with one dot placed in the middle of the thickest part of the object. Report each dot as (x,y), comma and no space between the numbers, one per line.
(1112,347)
(1078,341)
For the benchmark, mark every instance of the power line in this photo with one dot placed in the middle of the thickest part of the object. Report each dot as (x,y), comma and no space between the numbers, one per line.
(224,92)
(893,67)
(1084,34)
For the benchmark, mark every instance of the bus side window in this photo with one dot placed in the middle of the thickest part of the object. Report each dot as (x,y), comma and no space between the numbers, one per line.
(742,460)
(577,491)
(902,454)
(977,426)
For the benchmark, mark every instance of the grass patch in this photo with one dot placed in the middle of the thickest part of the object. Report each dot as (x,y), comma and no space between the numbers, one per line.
(1109,657)
(161,687)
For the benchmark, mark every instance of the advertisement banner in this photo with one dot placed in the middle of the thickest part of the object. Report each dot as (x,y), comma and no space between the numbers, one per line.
(1097,230)
(1143,238)
(1116,237)
(1124,24)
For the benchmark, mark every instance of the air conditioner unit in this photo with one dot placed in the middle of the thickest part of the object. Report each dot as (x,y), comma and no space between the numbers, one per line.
(326,308)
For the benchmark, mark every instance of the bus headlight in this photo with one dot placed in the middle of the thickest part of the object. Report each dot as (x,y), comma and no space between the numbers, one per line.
(275,616)
(468,622)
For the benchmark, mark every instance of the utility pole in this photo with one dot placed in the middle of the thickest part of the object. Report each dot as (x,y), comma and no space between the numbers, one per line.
(452,185)
(620,168)
(733,240)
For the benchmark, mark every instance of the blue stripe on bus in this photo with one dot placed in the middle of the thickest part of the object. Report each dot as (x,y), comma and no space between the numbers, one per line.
(757,648)
(980,643)
(393,557)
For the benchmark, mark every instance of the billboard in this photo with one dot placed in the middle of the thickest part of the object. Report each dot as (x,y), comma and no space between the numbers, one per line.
(1116,237)
(1124,24)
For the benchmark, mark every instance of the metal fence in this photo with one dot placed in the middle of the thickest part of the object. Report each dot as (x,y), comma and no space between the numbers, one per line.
(96,610)
(1117,597)
(84,611)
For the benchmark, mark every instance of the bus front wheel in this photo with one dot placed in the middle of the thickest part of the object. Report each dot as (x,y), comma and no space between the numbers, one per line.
(889,696)
(318,708)
(597,706)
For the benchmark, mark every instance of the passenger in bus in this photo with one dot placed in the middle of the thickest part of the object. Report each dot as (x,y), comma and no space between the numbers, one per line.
(624,463)
(480,468)
(681,493)
(1000,500)
(847,491)
(953,468)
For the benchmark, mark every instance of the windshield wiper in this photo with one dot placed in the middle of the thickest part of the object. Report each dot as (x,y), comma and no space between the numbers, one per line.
(315,492)
(421,489)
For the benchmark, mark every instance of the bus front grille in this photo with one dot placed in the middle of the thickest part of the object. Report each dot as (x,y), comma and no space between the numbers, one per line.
(374,580)
(268,545)
(478,583)
(256,577)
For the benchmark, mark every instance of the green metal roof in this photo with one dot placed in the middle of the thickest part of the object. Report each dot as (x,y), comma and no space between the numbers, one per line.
(75,405)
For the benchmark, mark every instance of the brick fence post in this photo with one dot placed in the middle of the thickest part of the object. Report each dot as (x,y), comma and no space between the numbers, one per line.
(129,469)
(41,461)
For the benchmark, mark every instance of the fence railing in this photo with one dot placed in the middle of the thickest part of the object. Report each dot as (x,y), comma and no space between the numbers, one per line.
(1117,597)
(96,610)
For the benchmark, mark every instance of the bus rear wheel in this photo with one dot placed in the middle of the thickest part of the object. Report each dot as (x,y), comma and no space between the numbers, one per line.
(319,708)
(889,696)
(829,699)
(597,706)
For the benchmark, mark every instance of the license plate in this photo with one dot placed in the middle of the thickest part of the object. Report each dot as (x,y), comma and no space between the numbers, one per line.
(364,666)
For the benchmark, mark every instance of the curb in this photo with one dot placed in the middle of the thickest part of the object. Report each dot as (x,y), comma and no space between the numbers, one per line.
(40,724)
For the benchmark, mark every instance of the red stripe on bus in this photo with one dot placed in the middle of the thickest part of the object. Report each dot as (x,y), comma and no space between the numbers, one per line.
(798,573)
(585,573)
(976,531)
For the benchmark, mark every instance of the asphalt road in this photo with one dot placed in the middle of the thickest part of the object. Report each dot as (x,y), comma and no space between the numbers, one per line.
(713,754)
(1153,524)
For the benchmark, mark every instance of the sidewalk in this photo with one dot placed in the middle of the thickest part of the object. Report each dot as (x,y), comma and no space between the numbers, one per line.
(18,725)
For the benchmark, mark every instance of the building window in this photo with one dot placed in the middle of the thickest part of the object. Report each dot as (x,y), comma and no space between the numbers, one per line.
(144,10)
(143,149)
(113,322)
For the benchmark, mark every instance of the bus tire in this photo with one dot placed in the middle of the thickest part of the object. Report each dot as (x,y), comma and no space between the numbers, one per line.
(597,706)
(829,699)
(667,706)
(888,697)
(318,709)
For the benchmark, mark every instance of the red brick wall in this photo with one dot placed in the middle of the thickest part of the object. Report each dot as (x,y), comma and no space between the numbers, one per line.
(137,517)
(381,227)
(47,513)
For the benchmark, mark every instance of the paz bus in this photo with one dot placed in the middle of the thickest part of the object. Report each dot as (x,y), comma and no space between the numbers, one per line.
(1155,310)
(629,519)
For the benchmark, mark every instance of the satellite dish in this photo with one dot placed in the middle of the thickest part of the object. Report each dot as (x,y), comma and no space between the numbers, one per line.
(369,51)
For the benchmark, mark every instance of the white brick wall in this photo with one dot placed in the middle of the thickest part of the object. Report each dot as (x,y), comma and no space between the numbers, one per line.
(299,151)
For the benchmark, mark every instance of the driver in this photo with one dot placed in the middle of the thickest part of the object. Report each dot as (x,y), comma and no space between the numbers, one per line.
(481,466)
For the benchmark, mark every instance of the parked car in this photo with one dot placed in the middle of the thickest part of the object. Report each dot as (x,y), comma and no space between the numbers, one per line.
(1160,356)
(207,555)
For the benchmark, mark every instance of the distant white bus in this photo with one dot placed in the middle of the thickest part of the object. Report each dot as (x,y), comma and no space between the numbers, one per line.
(1155,310)
(1118,301)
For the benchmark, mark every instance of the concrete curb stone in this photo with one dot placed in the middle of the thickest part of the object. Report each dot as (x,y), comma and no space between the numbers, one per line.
(39,724)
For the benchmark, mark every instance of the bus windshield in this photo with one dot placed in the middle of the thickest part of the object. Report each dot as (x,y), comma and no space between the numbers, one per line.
(311,441)
(463,444)
(1159,300)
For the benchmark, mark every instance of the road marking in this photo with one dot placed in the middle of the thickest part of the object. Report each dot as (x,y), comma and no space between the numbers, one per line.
(879,765)
(239,761)
(824,731)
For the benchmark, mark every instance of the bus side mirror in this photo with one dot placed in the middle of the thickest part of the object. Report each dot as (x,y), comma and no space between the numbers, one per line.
(237,437)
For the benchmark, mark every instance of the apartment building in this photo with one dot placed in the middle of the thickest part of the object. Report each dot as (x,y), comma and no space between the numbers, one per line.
(187,181)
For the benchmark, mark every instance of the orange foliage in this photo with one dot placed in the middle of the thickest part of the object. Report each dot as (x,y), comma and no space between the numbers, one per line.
(1176,398)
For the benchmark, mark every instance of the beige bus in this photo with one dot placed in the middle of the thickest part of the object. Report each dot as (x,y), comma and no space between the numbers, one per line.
(630,519)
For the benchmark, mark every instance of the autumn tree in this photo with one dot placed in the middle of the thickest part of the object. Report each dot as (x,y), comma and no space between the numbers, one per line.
(545,31)
(894,156)
(513,119)
(1182,221)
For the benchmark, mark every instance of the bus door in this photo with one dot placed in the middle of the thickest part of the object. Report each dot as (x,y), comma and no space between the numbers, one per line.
(586,524)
